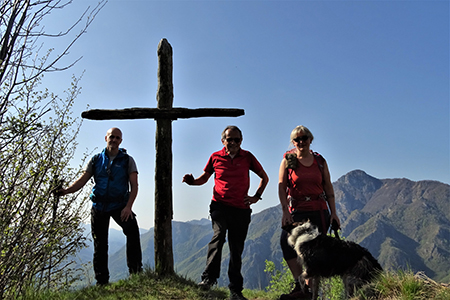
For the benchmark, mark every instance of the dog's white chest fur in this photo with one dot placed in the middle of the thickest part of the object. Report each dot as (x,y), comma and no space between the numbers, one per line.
(302,234)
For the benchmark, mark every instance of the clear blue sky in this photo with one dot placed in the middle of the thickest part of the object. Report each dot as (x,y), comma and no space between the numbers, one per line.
(370,79)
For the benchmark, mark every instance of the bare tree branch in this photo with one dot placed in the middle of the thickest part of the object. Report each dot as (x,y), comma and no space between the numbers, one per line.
(22,20)
(38,137)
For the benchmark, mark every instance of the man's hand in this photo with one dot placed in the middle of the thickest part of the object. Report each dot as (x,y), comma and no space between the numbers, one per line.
(188,178)
(126,213)
(60,192)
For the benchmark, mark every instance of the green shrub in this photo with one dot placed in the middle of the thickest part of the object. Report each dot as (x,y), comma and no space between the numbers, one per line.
(281,282)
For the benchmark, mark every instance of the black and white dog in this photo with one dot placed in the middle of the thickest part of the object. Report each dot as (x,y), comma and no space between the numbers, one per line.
(324,256)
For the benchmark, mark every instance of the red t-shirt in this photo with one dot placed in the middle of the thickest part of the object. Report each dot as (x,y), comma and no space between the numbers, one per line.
(232,177)
(306,182)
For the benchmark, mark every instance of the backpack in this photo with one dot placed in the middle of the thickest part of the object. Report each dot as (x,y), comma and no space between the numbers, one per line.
(321,164)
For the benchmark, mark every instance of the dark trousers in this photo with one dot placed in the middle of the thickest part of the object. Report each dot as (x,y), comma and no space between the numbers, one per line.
(100,230)
(235,221)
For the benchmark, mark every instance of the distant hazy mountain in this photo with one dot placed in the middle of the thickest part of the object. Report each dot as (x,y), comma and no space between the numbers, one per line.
(405,224)
(83,259)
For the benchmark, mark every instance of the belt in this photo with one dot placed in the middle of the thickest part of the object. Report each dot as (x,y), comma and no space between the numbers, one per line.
(308,198)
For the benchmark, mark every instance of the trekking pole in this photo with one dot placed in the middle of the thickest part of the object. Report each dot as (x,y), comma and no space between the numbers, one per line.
(56,185)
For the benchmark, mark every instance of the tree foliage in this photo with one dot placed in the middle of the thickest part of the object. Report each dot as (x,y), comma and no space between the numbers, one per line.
(38,231)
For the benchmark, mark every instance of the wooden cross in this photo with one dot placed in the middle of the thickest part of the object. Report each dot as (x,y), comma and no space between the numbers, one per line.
(164,114)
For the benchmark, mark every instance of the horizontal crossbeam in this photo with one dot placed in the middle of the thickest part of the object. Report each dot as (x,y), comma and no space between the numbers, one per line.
(160,113)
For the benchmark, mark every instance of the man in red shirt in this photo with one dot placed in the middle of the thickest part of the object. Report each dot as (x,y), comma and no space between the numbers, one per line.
(230,206)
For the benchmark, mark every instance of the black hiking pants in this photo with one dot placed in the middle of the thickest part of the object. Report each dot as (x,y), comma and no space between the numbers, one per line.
(100,230)
(236,221)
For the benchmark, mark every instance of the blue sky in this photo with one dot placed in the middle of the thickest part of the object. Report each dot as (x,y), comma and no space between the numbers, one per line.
(370,79)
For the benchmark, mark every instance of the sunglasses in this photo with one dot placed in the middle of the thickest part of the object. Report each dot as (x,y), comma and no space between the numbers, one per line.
(236,140)
(303,138)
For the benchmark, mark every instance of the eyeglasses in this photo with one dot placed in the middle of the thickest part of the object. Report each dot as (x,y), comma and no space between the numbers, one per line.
(236,140)
(112,137)
(302,138)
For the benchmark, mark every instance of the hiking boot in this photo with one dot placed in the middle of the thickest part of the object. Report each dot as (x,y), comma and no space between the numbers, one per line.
(297,293)
(206,283)
(237,296)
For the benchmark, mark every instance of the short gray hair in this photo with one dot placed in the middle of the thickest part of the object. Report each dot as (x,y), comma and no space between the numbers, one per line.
(231,127)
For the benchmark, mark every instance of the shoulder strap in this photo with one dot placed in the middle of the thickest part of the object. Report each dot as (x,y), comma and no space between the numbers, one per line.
(320,162)
(124,152)
(94,159)
(126,157)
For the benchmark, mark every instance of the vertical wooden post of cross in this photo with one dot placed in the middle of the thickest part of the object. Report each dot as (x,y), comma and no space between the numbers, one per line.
(163,167)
